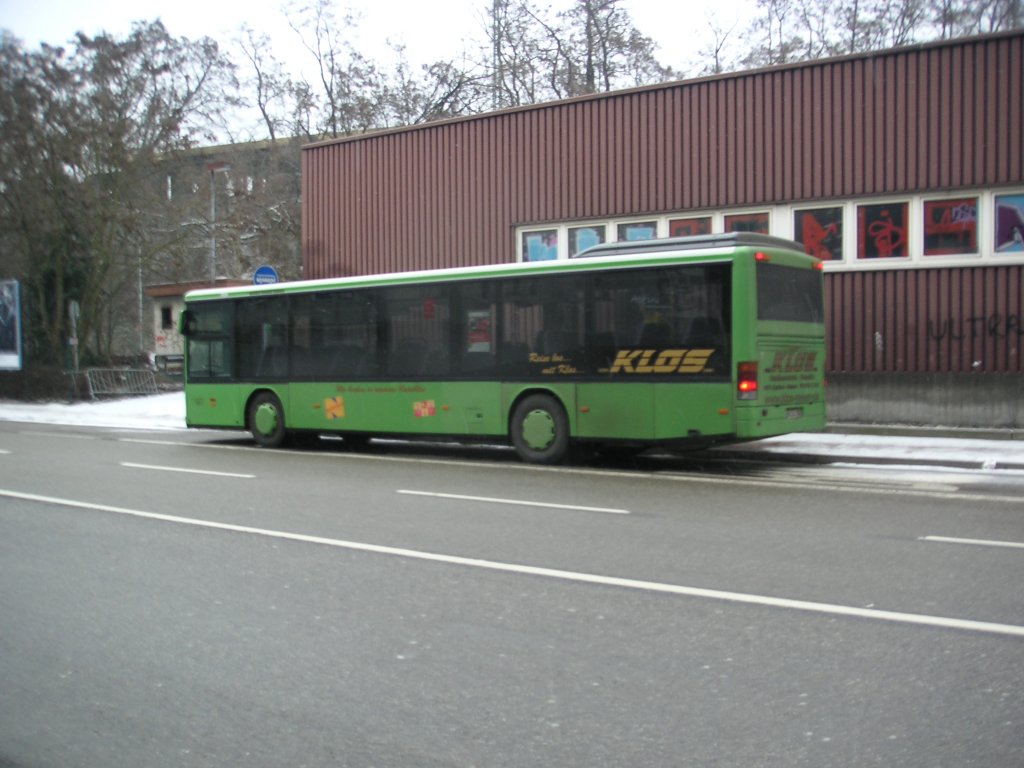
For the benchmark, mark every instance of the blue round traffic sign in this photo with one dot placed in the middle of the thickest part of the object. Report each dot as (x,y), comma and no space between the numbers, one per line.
(265,275)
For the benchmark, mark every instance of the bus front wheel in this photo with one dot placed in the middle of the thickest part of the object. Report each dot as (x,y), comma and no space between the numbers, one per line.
(266,420)
(540,430)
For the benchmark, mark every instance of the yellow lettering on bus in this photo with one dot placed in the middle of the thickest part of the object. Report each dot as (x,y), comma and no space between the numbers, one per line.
(641,361)
(624,359)
(696,360)
(668,361)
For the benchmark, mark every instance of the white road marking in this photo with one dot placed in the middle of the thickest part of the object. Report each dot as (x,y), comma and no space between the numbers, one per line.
(784,482)
(60,435)
(188,471)
(973,542)
(4,452)
(516,502)
(941,622)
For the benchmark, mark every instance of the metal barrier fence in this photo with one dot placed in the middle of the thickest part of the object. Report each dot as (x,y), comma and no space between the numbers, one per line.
(120,381)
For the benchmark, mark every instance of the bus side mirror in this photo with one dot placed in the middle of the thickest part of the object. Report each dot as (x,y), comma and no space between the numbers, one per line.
(186,323)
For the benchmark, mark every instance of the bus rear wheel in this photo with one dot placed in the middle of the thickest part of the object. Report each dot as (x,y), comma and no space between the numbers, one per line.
(266,420)
(540,430)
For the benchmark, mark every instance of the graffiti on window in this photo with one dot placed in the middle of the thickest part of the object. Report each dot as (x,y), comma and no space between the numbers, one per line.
(747,222)
(540,246)
(951,226)
(820,231)
(694,225)
(638,230)
(882,231)
(581,238)
(1009,223)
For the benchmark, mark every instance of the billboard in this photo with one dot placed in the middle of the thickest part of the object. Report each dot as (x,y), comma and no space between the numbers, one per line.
(10,326)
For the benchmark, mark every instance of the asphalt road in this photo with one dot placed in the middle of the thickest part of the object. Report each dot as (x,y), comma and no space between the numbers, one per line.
(188,600)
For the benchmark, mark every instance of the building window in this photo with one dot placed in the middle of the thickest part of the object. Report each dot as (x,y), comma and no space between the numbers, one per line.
(541,245)
(747,222)
(882,231)
(951,226)
(166,318)
(637,230)
(691,225)
(581,238)
(820,231)
(1009,211)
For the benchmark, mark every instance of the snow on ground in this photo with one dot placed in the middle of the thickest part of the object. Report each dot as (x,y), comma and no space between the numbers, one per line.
(167,412)
(891,448)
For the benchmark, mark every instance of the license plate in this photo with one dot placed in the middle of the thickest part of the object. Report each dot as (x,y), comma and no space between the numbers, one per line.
(794,413)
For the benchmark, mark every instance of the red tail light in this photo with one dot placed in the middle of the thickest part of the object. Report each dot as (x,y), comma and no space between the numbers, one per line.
(746,380)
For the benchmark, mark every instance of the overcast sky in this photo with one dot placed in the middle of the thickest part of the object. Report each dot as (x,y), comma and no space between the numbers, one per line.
(430,29)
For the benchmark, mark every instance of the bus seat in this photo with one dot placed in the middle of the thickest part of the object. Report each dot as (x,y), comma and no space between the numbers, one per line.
(551,342)
(656,335)
(478,362)
(347,360)
(602,349)
(302,362)
(514,357)
(273,362)
(705,332)
(409,357)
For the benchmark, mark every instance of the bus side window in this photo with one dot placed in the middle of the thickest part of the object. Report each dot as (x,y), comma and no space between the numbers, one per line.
(262,336)
(474,340)
(416,330)
(542,324)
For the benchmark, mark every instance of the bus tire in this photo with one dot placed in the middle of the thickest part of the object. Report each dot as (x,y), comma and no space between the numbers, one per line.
(539,430)
(266,420)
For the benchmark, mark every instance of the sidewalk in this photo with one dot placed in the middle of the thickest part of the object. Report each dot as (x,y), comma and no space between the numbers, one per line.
(846,443)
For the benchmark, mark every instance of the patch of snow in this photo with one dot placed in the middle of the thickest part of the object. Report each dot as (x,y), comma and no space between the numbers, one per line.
(160,412)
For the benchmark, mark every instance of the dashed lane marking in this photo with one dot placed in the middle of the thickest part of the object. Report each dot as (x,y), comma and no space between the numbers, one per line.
(939,622)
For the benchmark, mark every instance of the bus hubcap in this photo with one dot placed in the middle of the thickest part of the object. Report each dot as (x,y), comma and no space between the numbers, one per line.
(538,430)
(266,419)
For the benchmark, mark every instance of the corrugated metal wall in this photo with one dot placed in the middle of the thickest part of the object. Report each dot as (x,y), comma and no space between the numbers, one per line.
(936,117)
(965,320)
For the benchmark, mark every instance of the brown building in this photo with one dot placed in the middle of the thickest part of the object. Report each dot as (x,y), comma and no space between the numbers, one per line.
(903,170)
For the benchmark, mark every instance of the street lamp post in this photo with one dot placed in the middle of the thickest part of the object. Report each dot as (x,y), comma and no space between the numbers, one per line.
(214,168)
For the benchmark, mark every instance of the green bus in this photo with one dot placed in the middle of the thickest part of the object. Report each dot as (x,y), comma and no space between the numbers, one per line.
(677,342)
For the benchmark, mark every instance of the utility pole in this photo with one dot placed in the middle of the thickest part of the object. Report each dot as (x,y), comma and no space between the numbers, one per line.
(213,169)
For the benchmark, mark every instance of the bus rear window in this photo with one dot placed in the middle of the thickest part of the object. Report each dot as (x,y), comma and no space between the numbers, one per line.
(789,293)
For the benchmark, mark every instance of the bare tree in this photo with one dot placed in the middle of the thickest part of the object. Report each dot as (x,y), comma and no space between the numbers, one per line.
(84,133)
(792,30)
(272,88)
(523,50)
(954,18)
(590,47)
(440,90)
(347,81)
(713,54)
(776,34)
